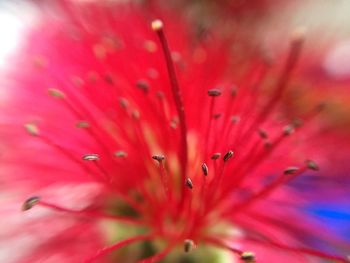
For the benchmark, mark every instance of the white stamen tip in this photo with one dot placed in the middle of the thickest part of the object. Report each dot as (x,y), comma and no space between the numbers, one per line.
(298,35)
(157,25)
(91,157)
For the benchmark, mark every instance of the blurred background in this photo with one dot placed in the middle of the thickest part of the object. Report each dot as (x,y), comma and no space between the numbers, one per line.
(326,60)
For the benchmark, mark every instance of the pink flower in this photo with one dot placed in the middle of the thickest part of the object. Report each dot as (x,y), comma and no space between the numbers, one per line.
(175,138)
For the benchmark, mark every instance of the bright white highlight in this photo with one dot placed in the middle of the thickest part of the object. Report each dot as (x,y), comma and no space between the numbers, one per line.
(10,32)
(337,61)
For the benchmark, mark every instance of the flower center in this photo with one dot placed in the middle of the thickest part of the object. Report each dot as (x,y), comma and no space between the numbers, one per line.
(186,193)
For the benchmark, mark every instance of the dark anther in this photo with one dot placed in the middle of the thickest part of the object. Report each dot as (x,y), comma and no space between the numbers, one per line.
(227,156)
(248,257)
(109,79)
(291,170)
(214,92)
(263,134)
(288,130)
(312,165)
(123,103)
(267,145)
(158,158)
(297,123)
(233,91)
(189,183)
(188,245)
(143,85)
(321,106)
(217,116)
(30,202)
(205,169)
(235,119)
(160,94)
(215,156)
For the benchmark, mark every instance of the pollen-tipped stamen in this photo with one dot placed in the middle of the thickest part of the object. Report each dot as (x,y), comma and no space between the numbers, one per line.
(205,169)
(215,156)
(36,201)
(228,156)
(213,93)
(188,245)
(157,26)
(248,257)
(92,157)
(30,202)
(163,176)
(188,183)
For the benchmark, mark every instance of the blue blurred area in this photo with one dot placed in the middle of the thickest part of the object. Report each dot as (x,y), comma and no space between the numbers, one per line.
(336,217)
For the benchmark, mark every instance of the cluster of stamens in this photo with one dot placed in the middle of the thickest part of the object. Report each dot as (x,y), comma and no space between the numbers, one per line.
(199,200)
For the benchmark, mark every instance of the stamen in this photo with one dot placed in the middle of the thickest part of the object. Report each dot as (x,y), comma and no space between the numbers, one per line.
(233,91)
(143,85)
(217,116)
(123,103)
(205,169)
(173,124)
(160,95)
(267,145)
(83,125)
(291,170)
(163,176)
(228,156)
(32,129)
(189,183)
(38,202)
(109,79)
(157,26)
(56,93)
(30,202)
(297,123)
(91,157)
(135,114)
(215,156)
(158,158)
(235,119)
(188,245)
(120,154)
(214,92)
(263,134)
(312,165)
(288,130)
(248,257)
